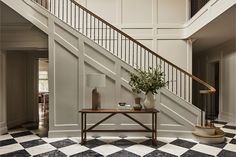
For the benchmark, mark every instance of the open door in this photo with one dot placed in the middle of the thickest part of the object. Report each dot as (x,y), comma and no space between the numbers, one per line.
(43,96)
(214,80)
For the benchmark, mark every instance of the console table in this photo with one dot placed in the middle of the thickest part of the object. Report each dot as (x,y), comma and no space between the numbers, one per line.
(113,112)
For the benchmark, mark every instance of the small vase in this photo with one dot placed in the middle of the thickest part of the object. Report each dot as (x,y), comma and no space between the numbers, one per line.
(149,102)
(137,106)
(137,100)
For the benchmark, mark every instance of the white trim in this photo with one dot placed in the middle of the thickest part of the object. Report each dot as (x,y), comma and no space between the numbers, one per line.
(160,133)
(228,117)
(3,123)
(63,133)
(175,133)
(3,130)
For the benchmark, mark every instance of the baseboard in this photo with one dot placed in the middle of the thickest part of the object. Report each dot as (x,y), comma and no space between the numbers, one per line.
(77,133)
(160,133)
(175,134)
(3,130)
(63,133)
(224,116)
(16,122)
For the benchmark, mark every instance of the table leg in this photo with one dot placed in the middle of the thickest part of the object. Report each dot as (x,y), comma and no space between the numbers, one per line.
(82,129)
(153,128)
(155,134)
(85,123)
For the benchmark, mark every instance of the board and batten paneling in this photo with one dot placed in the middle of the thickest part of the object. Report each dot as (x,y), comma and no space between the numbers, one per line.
(151,22)
(71,57)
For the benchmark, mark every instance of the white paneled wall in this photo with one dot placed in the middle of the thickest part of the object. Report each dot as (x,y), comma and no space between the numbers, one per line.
(72,56)
(137,12)
(66,86)
(155,23)
(175,50)
(172,12)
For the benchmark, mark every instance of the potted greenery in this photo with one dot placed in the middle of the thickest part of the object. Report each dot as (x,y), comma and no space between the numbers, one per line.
(149,82)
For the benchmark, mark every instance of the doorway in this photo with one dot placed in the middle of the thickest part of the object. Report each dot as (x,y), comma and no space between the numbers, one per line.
(22,87)
(43,96)
(217,85)
(214,76)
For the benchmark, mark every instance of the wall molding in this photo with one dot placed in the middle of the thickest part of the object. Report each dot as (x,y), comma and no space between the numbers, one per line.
(48,27)
(205,15)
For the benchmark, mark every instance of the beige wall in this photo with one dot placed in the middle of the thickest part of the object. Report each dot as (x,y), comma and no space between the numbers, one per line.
(16,89)
(18,34)
(226,54)
(23,37)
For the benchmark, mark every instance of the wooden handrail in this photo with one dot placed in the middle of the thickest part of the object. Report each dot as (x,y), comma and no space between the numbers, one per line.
(210,88)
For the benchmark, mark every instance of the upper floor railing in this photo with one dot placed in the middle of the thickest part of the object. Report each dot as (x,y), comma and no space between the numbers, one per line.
(196,5)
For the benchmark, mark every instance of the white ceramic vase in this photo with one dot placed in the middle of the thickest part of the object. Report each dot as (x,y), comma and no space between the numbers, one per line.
(149,102)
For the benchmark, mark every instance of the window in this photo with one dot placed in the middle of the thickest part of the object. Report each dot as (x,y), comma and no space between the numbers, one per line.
(43,81)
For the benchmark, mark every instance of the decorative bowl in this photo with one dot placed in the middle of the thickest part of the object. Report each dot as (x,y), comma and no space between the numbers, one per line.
(122,103)
(137,106)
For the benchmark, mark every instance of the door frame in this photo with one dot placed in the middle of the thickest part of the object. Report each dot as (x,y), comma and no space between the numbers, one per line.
(3,83)
(3,96)
(209,73)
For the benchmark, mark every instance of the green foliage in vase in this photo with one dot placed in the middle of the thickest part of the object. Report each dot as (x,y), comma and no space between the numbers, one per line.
(147,81)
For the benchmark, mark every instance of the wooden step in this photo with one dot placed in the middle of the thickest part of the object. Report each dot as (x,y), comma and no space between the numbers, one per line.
(205,134)
(205,130)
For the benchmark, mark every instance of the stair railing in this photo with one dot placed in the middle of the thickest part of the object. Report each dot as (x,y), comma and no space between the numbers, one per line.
(124,46)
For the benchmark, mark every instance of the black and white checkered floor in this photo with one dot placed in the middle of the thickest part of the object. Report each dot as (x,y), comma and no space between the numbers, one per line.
(22,142)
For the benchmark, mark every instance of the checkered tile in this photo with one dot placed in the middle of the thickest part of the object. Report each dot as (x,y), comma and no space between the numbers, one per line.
(22,142)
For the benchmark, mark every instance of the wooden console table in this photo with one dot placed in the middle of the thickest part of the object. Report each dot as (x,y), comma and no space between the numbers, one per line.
(113,112)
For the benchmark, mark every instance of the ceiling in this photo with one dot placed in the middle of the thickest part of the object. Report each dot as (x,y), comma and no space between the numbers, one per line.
(10,17)
(220,30)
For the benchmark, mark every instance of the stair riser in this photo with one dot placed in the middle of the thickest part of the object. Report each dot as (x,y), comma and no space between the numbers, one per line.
(210,140)
(206,131)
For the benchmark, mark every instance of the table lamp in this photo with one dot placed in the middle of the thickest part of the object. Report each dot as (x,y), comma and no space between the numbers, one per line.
(95,81)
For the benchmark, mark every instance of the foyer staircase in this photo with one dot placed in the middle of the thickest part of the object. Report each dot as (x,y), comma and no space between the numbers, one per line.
(138,56)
